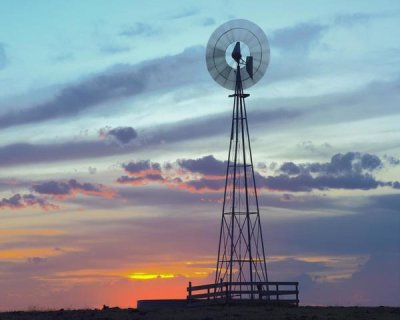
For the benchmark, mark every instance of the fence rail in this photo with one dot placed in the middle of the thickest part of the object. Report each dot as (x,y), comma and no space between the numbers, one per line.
(282,292)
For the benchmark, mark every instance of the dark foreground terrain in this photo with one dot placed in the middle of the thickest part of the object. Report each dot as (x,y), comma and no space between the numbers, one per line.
(215,312)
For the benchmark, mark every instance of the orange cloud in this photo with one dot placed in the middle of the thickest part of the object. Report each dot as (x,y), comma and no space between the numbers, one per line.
(21,254)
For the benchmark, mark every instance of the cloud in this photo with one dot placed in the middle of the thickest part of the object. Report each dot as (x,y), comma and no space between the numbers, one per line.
(142,172)
(179,175)
(18,201)
(3,57)
(357,18)
(185,13)
(347,233)
(192,129)
(61,189)
(92,170)
(122,135)
(216,124)
(139,29)
(142,167)
(36,260)
(158,244)
(392,160)
(306,182)
(351,170)
(344,163)
(299,37)
(23,153)
(289,168)
(366,103)
(204,185)
(117,82)
(209,21)
(206,165)
(113,49)
(394,184)
(141,180)
(352,19)
(318,149)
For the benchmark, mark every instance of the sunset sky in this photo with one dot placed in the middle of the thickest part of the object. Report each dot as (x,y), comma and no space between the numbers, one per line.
(113,141)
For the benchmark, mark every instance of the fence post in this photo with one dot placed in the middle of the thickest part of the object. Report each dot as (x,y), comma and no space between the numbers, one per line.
(190,290)
(277,292)
(297,294)
(208,294)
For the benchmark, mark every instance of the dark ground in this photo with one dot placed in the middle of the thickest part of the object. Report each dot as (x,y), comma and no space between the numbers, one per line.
(215,312)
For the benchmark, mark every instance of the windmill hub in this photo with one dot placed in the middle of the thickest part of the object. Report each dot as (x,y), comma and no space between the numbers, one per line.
(244,53)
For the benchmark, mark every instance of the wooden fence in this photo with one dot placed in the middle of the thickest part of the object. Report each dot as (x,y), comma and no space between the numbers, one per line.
(276,292)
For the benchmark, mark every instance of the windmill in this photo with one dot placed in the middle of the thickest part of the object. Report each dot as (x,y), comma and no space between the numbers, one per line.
(237,57)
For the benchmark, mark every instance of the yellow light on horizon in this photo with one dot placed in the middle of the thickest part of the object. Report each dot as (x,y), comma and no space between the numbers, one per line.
(150,276)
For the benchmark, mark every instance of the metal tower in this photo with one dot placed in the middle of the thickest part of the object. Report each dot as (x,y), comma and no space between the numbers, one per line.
(241,255)
(237,56)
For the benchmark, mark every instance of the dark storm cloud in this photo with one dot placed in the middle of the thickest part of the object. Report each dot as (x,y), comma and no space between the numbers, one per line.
(118,82)
(19,201)
(3,57)
(139,29)
(121,134)
(299,37)
(206,165)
